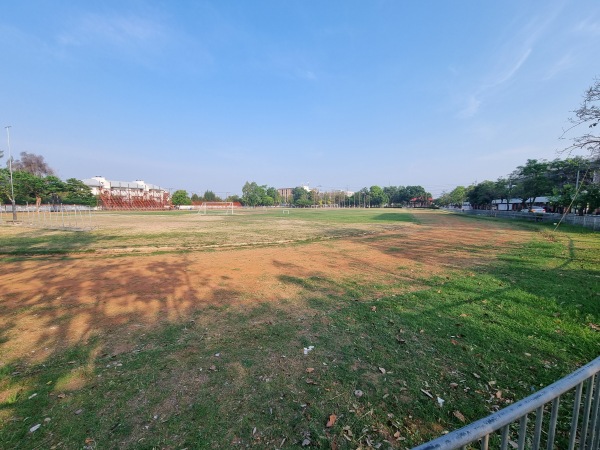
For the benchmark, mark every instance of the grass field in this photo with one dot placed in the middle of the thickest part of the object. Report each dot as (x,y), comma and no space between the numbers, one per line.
(322,329)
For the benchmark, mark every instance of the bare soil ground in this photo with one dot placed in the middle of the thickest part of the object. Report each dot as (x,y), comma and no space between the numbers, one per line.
(51,302)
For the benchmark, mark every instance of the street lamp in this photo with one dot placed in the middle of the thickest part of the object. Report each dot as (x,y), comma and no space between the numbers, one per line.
(12,188)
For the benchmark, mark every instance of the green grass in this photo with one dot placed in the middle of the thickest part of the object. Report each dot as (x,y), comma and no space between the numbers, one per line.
(512,326)
(335,216)
(184,230)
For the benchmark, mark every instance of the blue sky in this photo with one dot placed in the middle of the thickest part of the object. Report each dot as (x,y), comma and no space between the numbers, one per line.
(339,94)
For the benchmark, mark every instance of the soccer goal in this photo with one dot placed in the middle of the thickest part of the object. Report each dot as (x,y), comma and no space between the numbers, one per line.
(216,208)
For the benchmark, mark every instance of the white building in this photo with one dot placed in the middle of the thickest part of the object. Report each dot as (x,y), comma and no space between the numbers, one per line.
(137,188)
(515,204)
(127,194)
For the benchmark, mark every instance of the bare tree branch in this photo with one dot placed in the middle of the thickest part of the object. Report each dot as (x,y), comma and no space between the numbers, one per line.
(587,114)
(33,164)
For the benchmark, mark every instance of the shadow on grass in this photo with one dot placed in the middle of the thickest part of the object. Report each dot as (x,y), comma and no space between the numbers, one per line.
(395,217)
(81,348)
(45,242)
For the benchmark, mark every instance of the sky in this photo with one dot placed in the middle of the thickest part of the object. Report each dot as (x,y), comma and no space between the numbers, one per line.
(206,95)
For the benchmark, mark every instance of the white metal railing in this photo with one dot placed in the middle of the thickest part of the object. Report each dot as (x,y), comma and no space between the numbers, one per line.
(59,216)
(509,426)
(587,221)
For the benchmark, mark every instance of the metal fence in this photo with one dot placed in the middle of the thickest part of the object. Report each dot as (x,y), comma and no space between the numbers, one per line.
(57,217)
(587,221)
(575,425)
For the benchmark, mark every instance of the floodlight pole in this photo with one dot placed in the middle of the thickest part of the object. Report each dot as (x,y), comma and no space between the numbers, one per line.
(12,188)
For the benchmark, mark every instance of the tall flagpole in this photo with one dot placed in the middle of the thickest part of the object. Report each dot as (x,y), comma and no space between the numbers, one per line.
(12,188)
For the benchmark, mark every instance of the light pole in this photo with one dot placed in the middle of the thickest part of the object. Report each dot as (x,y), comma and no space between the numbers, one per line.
(12,188)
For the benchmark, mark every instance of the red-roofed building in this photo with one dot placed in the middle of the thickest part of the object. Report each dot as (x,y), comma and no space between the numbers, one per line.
(420,202)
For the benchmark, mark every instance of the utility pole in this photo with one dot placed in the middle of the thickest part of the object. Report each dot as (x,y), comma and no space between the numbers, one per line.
(12,188)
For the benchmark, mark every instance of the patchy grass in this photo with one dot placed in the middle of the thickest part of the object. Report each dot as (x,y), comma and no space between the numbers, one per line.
(230,377)
(174,231)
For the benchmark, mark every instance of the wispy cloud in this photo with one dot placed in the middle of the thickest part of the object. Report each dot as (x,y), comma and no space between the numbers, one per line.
(289,63)
(564,63)
(589,27)
(510,58)
(474,100)
(512,71)
(307,75)
(143,38)
(471,108)
(117,31)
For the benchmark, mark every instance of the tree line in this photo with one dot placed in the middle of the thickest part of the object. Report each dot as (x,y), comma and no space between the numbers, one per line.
(181,197)
(567,183)
(254,194)
(303,197)
(570,183)
(34,182)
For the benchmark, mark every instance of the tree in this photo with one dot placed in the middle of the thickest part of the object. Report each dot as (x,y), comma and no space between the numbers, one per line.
(77,192)
(363,194)
(454,198)
(274,194)
(377,196)
(587,114)
(392,194)
(418,193)
(5,192)
(458,195)
(52,185)
(301,197)
(591,197)
(482,194)
(253,194)
(267,201)
(196,198)
(563,197)
(33,164)
(443,199)
(210,196)
(181,197)
(572,183)
(504,190)
(532,180)
(29,187)
(403,195)
(235,198)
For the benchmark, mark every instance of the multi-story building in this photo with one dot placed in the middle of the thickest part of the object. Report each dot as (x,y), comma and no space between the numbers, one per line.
(128,194)
(286,194)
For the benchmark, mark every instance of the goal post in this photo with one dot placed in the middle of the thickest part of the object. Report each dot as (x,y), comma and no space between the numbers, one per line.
(225,208)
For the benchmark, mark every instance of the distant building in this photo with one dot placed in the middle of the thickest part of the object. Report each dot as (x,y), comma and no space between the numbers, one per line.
(420,202)
(128,194)
(286,194)
(516,204)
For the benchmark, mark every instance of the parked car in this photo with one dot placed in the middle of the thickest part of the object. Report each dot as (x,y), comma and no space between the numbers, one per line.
(534,209)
